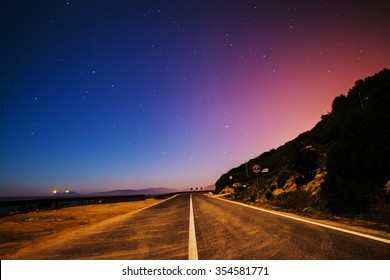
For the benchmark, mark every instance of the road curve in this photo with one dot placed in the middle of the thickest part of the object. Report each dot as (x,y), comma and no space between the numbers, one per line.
(222,231)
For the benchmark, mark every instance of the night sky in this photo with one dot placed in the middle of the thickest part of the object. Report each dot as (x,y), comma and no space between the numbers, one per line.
(103,95)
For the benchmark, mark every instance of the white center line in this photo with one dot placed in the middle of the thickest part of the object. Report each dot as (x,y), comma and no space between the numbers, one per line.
(192,248)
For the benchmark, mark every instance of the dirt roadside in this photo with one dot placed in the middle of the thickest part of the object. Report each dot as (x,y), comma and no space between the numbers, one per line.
(24,230)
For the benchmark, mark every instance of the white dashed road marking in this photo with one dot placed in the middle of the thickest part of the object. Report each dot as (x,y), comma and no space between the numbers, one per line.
(192,248)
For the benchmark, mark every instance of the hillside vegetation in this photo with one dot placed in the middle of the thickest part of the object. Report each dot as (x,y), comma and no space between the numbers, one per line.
(341,166)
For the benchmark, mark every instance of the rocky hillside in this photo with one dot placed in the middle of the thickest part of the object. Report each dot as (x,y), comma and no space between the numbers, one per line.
(341,166)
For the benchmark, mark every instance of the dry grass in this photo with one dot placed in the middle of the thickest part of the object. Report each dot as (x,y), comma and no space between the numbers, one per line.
(22,230)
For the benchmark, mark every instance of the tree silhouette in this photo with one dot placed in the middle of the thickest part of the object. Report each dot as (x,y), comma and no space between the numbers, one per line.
(304,165)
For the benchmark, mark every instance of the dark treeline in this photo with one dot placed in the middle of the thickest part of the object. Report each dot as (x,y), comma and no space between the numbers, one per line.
(350,145)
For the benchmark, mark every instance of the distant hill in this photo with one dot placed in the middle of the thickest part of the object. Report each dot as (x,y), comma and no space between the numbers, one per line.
(209,188)
(150,191)
(341,166)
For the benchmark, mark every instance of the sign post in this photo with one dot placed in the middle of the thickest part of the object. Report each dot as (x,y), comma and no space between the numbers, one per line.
(257,170)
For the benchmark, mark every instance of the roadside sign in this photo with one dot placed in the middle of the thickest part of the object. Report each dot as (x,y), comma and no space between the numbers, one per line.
(256,169)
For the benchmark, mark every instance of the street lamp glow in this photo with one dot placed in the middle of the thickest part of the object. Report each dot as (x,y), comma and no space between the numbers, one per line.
(55,191)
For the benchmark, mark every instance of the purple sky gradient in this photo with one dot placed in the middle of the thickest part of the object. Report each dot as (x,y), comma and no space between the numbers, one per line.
(103,95)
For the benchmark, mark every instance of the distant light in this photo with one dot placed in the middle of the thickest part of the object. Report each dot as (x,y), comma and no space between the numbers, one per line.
(67,191)
(55,191)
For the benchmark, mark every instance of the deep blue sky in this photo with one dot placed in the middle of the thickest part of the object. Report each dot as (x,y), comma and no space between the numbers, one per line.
(102,95)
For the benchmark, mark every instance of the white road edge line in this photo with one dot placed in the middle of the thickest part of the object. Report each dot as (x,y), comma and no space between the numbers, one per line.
(192,248)
(146,207)
(313,223)
(136,211)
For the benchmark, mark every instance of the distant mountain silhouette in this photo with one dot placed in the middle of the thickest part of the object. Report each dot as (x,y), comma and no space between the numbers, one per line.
(149,191)
(209,188)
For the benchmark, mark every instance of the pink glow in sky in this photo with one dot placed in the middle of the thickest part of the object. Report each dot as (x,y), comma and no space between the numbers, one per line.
(139,94)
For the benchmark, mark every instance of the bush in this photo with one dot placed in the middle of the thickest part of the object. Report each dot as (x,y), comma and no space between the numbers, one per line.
(298,199)
(268,194)
(304,165)
(282,179)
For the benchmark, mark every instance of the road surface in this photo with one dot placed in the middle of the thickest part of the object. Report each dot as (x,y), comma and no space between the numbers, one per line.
(219,230)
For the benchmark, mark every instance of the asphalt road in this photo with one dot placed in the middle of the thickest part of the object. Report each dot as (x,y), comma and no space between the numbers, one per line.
(222,231)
